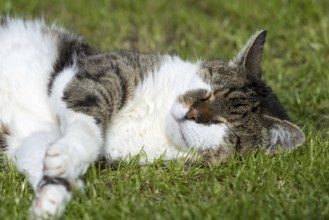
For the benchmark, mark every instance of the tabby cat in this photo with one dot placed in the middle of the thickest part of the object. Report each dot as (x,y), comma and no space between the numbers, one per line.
(64,105)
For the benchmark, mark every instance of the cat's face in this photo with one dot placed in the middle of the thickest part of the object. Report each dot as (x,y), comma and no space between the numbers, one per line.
(237,114)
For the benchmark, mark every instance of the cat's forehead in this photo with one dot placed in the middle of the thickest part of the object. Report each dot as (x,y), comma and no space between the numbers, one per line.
(220,74)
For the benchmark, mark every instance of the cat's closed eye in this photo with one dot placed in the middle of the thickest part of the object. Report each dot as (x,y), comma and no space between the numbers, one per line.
(205,98)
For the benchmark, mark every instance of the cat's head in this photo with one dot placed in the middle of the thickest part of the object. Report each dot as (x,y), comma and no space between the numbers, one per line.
(238,114)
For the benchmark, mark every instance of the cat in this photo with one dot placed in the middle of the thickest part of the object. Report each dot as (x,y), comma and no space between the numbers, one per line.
(64,105)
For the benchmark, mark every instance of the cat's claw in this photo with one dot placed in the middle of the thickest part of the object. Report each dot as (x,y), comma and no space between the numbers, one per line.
(50,202)
(55,163)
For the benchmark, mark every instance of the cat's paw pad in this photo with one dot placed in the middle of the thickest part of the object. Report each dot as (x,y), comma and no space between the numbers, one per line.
(50,201)
(56,163)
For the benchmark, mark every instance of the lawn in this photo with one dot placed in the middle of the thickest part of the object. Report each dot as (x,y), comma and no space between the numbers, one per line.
(295,63)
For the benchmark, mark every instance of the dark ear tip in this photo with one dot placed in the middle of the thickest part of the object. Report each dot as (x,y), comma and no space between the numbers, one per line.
(263,32)
(262,35)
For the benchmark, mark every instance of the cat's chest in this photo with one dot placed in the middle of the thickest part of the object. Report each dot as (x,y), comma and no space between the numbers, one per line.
(140,126)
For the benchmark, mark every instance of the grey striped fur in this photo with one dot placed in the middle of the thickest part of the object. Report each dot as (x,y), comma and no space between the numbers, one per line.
(105,81)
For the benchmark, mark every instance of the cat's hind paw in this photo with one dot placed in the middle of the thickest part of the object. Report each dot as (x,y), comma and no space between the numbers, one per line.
(50,201)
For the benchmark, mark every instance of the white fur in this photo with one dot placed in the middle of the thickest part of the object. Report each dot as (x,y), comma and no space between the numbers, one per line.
(30,154)
(25,63)
(50,201)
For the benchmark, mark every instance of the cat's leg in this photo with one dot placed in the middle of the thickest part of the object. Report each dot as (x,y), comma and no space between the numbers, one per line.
(70,156)
(29,152)
(29,158)
(64,162)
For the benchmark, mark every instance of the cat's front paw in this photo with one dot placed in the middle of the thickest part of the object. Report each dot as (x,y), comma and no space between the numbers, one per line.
(56,163)
(65,159)
(50,201)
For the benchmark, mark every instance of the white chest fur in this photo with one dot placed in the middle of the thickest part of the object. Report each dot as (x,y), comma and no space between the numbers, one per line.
(141,124)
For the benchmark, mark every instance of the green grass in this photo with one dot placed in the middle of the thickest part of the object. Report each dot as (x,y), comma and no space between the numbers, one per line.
(296,57)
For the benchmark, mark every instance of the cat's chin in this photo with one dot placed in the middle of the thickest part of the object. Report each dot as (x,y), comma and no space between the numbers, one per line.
(187,134)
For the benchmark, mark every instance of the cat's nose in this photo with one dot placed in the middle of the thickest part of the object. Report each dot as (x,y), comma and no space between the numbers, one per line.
(192,114)
(200,114)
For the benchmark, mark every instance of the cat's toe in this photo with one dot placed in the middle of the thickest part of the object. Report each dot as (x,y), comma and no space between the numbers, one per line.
(56,163)
(50,202)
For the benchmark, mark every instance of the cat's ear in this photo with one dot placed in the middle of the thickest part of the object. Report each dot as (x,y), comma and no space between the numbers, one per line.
(282,135)
(251,55)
